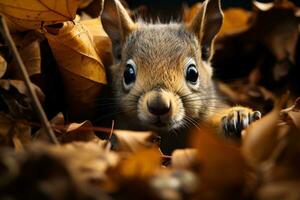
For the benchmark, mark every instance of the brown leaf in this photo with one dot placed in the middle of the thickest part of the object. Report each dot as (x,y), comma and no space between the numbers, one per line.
(72,171)
(87,161)
(236,20)
(292,114)
(21,87)
(3,66)
(81,67)
(184,158)
(260,138)
(142,164)
(134,141)
(29,49)
(68,133)
(12,133)
(80,132)
(33,14)
(73,47)
(248,93)
(221,169)
(100,39)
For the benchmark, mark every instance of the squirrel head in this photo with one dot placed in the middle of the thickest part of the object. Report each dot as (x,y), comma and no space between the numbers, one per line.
(161,73)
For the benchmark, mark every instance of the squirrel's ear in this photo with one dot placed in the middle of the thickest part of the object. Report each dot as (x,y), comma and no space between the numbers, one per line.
(205,25)
(116,22)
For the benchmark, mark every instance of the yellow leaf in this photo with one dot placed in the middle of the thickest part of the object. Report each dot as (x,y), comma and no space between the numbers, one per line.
(32,14)
(134,141)
(143,164)
(101,40)
(81,67)
(74,50)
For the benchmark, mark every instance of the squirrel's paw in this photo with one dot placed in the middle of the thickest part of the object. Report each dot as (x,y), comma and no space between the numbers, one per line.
(236,120)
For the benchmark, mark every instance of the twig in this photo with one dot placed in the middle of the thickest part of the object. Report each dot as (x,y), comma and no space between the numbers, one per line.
(35,101)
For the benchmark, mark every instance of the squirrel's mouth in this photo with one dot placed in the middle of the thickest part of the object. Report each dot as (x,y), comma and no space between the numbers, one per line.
(159,123)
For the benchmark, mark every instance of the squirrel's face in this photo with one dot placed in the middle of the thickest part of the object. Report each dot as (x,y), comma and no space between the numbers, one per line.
(161,79)
(161,73)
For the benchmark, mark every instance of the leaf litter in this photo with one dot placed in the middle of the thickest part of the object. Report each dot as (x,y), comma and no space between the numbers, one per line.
(94,162)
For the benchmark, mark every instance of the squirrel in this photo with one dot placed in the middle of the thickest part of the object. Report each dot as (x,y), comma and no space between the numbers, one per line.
(161,75)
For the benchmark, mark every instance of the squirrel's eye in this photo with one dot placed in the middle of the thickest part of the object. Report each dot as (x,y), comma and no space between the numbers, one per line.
(192,74)
(129,73)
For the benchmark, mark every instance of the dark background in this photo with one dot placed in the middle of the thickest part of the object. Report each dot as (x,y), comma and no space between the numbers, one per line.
(170,10)
(225,3)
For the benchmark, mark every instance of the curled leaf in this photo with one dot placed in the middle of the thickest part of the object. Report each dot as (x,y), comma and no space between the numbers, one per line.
(82,69)
(74,50)
(133,141)
(21,87)
(292,114)
(33,14)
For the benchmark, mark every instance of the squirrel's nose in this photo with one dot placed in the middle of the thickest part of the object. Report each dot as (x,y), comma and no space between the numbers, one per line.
(159,106)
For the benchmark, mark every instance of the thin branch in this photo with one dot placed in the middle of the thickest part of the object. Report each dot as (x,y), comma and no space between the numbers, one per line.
(35,101)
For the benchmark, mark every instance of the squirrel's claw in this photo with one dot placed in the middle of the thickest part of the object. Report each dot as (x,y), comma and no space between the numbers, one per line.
(237,120)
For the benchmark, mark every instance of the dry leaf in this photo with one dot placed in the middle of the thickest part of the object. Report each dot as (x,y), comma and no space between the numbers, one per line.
(86,160)
(21,87)
(71,171)
(82,69)
(29,49)
(292,114)
(184,159)
(134,141)
(73,48)
(12,133)
(33,14)
(3,66)
(221,169)
(41,135)
(101,40)
(236,20)
(68,133)
(142,164)
(260,138)
(80,132)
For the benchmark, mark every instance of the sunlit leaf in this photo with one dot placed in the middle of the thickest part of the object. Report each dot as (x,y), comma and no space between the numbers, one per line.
(32,14)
